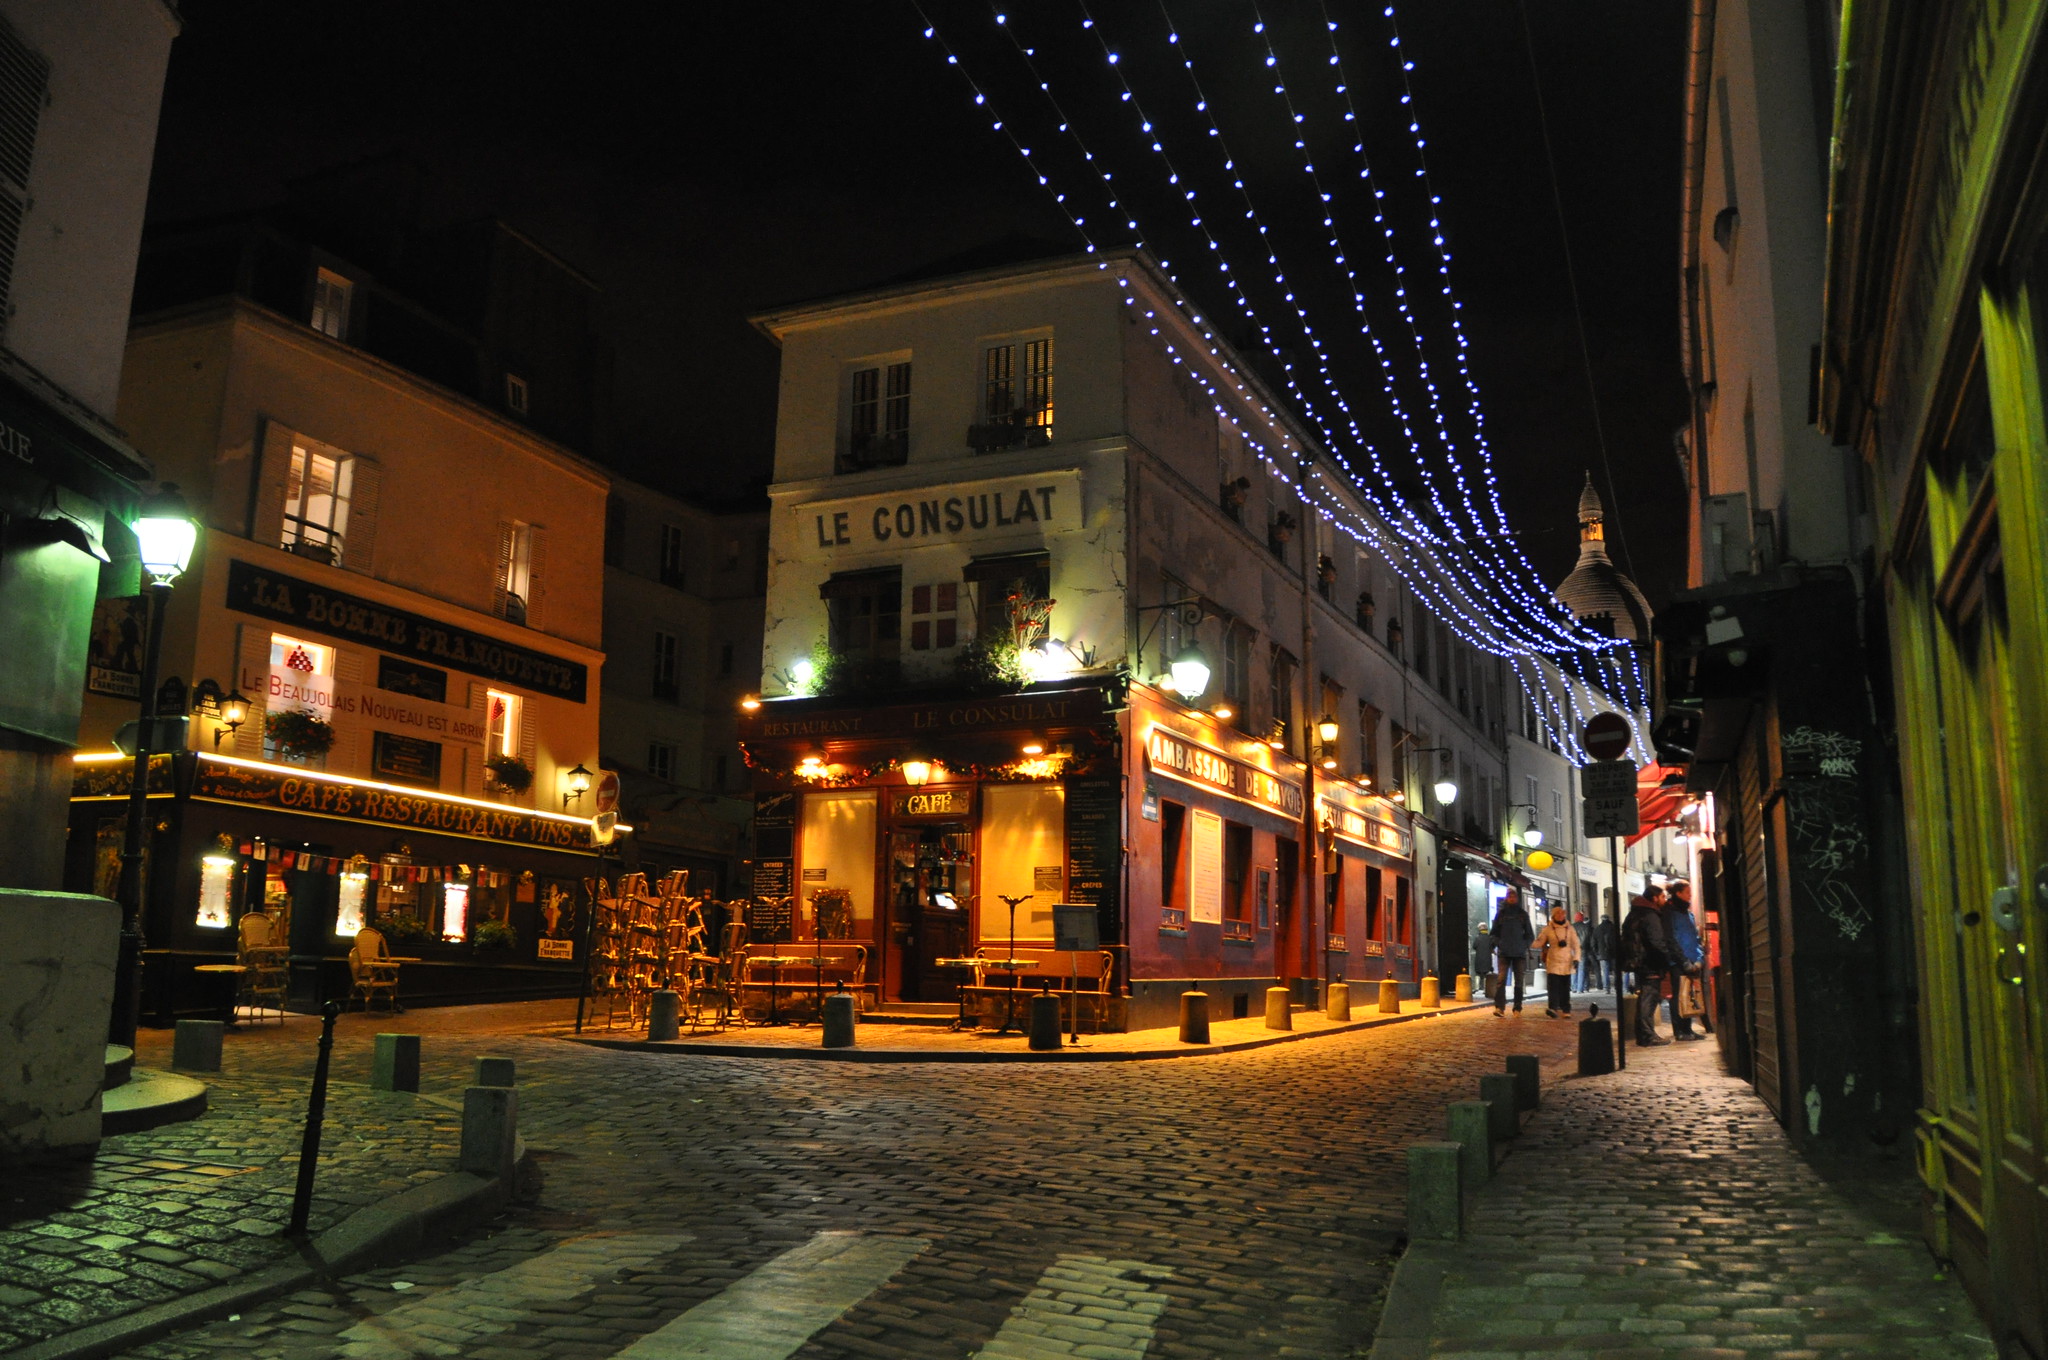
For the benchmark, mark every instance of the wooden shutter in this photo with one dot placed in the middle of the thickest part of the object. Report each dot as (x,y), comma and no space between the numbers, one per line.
(504,575)
(536,576)
(528,749)
(273,471)
(1766,1056)
(473,755)
(252,664)
(366,494)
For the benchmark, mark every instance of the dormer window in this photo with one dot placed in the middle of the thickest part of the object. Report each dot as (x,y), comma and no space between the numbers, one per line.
(515,394)
(332,297)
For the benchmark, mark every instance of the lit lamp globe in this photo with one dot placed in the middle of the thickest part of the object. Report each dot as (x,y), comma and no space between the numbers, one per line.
(1327,730)
(165,534)
(1540,860)
(917,773)
(1533,837)
(1446,791)
(1190,672)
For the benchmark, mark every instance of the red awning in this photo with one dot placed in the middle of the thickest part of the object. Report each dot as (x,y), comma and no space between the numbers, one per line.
(1658,803)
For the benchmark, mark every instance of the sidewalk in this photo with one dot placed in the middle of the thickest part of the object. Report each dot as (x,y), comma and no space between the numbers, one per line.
(1661,1212)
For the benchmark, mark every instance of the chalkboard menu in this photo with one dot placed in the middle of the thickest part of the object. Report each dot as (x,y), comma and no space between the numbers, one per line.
(771,920)
(774,855)
(1094,851)
(772,877)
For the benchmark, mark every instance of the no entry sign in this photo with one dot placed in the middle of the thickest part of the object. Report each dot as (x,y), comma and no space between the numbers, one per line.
(1606,735)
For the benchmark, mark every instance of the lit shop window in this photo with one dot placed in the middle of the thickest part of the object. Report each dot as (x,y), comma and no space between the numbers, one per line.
(294,654)
(504,730)
(316,499)
(455,911)
(355,890)
(216,885)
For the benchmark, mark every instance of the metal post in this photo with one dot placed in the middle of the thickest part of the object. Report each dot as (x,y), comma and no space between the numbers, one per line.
(316,1113)
(1620,1015)
(133,889)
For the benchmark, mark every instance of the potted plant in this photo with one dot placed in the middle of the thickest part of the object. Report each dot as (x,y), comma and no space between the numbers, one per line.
(404,929)
(510,773)
(494,935)
(298,734)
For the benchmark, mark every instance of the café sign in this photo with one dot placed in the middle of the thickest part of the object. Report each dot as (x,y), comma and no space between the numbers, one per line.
(1176,757)
(1047,503)
(270,787)
(332,613)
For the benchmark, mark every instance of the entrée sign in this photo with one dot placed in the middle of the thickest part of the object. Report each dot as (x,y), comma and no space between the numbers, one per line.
(325,798)
(1171,755)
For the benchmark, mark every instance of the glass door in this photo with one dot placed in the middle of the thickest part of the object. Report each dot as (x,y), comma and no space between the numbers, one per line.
(931,892)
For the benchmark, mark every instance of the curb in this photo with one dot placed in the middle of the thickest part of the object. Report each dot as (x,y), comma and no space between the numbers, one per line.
(392,1228)
(692,1048)
(1410,1306)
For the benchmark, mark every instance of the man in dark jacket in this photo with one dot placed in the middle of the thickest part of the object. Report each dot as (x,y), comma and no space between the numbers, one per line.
(1683,935)
(1512,936)
(1589,962)
(1607,940)
(1482,960)
(1645,952)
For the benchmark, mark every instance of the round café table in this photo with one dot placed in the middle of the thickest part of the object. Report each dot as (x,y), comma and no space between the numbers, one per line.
(1013,967)
(774,963)
(230,981)
(960,1021)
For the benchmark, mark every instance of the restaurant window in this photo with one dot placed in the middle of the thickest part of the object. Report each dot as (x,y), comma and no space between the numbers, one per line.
(1024,576)
(1368,742)
(1173,824)
(667,652)
(934,616)
(316,500)
(672,540)
(1016,395)
(1023,851)
(865,614)
(878,417)
(1280,699)
(661,760)
(298,681)
(1237,871)
(1375,904)
(333,296)
(518,570)
(502,716)
(837,850)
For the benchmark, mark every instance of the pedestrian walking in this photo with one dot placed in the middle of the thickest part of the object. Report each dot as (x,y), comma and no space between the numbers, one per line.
(1582,981)
(1607,951)
(1687,956)
(1482,960)
(1644,952)
(1558,947)
(1512,936)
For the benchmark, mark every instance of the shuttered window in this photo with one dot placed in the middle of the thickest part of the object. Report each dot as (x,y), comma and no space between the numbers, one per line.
(522,558)
(24,81)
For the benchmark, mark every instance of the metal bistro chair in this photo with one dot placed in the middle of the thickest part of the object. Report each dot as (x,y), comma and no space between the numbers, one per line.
(721,991)
(264,984)
(371,969)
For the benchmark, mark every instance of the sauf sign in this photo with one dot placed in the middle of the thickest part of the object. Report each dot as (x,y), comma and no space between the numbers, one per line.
(941,514)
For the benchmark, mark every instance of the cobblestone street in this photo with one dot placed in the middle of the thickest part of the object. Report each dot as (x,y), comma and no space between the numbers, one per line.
(1243,1204)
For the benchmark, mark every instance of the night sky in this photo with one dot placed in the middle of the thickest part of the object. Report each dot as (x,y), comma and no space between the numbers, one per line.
(702,162)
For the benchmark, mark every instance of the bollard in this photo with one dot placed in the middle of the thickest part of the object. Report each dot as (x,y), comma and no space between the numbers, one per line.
(196,1045)
(1045,1021)
(316,1114)
(839,1020)
(1278,1013)
(1390,997)
(1528,1075)
(395,1065)
(1468,1123)
(664,1015)
(1194,1017)
(1596,1045)
(1436,1203)
(1497,1089)
(1462,991)
(494,1072)
(1432,993)
(490,1130)
(1338,1006)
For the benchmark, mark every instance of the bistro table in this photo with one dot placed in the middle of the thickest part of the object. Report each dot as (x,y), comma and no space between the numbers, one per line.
(959,1022)
(1012,967)
(230,981)
(775,963)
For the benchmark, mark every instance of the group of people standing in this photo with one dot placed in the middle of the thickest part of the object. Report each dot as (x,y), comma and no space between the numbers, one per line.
(1657,948)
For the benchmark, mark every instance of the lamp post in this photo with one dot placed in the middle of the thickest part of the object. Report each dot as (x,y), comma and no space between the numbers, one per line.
(165,534)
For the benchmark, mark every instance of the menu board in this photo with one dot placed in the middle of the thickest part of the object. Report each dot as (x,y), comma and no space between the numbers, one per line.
(771,920)
(774,852)
(1095,851)
(772,877)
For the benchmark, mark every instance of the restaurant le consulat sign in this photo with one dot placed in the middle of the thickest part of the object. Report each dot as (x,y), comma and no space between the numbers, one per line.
(997,507)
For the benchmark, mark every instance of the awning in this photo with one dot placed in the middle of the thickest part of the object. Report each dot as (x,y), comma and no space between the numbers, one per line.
(1660,796)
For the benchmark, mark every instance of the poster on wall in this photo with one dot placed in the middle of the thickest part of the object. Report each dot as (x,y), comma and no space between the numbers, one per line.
(1205,871)
(405,760)
(113,662)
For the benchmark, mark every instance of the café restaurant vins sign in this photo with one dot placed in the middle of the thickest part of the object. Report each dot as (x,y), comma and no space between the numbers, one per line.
(220,781)
(331,613)
(1048,503)
(1181,759)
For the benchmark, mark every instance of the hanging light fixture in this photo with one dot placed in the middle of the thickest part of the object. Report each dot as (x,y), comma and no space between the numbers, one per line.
(1327,729)
(1190,673)
(165,534)
(917,773)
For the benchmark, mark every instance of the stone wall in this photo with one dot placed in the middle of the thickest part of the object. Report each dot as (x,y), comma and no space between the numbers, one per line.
(57,954)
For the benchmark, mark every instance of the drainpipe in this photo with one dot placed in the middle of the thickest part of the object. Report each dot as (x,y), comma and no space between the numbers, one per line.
(1312,859)
(1699,63)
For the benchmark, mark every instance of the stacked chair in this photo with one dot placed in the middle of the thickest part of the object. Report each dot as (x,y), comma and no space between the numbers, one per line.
(264,955)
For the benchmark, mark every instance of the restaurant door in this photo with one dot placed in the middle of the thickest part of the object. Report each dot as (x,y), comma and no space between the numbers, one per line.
(931,892)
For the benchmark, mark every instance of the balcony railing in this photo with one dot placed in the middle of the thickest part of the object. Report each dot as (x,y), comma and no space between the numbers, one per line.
(998,435)
(883,448)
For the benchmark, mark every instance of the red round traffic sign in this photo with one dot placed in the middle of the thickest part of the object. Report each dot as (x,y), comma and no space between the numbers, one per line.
(608,791)
(1606,736)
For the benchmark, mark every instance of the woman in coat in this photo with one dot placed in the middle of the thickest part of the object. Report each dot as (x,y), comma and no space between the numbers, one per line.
(1558,946)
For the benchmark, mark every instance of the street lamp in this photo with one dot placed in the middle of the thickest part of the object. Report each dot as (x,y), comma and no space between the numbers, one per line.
(1190,672)
(165,534)
(917,773)
(577,782)
(1533,836)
